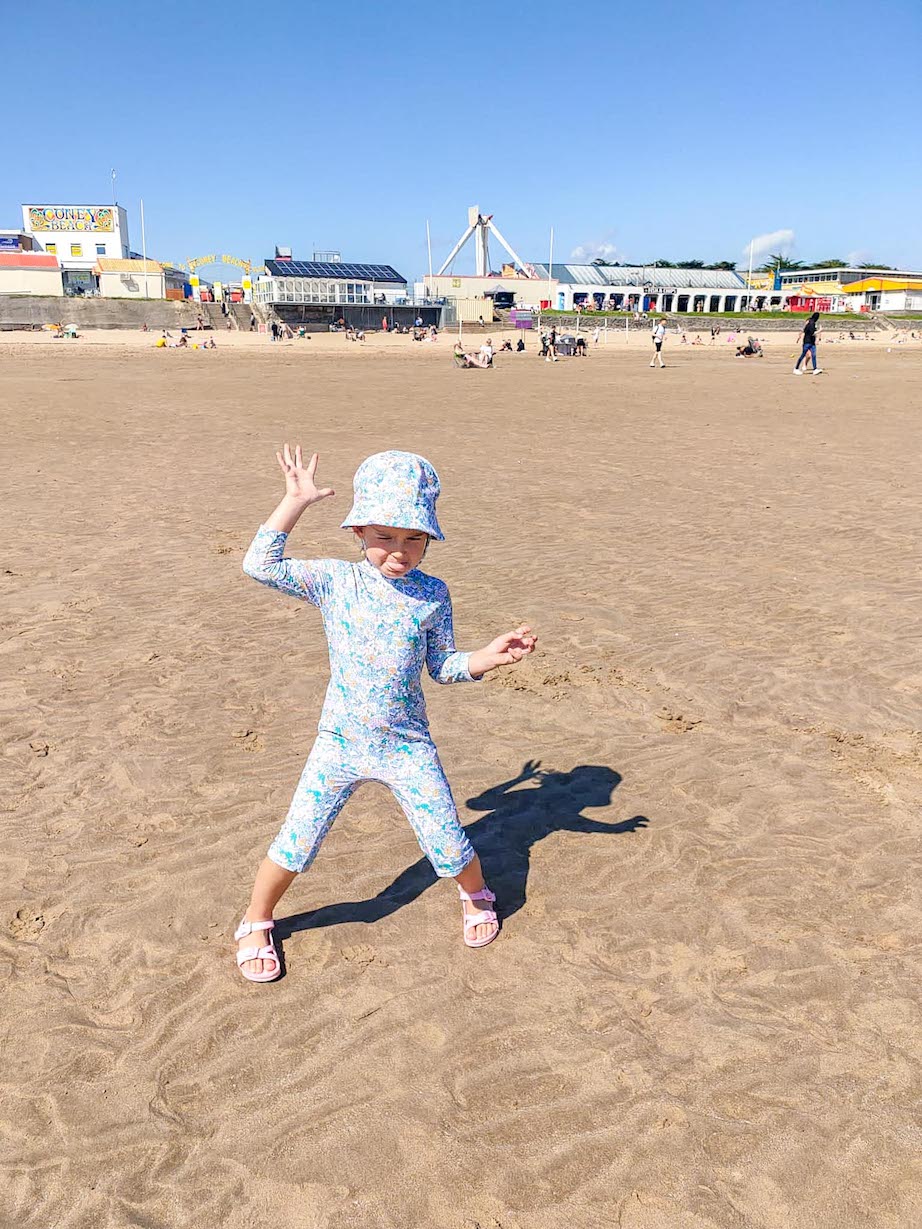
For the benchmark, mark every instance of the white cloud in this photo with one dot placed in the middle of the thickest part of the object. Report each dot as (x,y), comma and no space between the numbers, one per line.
(859,256)
(781,241)
(587,252)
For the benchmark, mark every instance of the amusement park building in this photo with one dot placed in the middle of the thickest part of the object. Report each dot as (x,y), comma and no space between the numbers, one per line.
(650,288)
(79,236)
(847,288)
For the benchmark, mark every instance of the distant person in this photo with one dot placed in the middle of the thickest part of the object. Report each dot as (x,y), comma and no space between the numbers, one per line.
(581,347)
(809,346)
(252,322)
(384,324)
(520,346)
(480,321)
(658,336)
(486,353)
(551,356)
(507,345)
(715,332)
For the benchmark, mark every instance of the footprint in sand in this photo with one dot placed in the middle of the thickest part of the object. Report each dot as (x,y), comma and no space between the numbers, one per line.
(675,723)
(361,953)
(26,924)
(249,740)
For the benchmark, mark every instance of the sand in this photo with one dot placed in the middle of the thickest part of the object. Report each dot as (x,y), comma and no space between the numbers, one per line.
(699,803)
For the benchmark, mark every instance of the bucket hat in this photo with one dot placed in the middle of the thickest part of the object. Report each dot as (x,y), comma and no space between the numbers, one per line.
(397,489)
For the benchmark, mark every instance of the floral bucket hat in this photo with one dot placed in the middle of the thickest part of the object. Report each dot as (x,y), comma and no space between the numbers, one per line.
(397,489)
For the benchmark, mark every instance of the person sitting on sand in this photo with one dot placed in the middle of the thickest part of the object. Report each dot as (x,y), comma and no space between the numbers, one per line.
(466,359)
(383,619)
(507,345)
(752,349)
(520,345)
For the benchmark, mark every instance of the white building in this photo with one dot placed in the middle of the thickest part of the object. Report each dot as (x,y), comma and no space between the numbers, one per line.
(847,288)
(130,279)
(316,294)
(78,235)
(651,288)
(30,273)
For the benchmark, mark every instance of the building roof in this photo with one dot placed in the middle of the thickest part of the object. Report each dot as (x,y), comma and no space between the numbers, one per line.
(883,283)
(334,270)
(796,275)
(28,260)
(111,264)
(644,275)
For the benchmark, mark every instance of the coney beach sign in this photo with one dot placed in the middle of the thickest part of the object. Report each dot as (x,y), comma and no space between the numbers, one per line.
(71,217)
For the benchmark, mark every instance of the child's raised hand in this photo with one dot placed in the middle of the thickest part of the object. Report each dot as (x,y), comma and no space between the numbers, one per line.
(505,650)
(299,478)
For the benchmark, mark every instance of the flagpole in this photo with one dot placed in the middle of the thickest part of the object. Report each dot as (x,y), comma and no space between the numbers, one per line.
(550,270)
(144,251)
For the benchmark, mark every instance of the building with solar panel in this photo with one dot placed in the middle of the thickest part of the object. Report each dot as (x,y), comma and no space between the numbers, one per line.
(318,294)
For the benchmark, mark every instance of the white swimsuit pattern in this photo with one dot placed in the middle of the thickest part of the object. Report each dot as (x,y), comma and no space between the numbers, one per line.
(373,726)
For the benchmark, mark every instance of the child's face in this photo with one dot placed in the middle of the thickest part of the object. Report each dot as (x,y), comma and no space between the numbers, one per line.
(394,552)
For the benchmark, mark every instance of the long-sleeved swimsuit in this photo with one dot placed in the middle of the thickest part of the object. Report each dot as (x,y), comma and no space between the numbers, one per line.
(373,726)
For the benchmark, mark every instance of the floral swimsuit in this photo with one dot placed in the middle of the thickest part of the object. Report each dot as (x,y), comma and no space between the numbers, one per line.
(373,726)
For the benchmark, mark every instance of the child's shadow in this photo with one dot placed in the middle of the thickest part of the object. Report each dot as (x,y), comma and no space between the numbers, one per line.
(517,819)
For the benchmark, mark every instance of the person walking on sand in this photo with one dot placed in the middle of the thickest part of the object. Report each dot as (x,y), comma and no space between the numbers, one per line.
(383,619)
(809,346)
(551,356)
(659,336)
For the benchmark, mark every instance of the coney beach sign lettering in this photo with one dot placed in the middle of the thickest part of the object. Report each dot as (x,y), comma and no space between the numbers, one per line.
(70,217)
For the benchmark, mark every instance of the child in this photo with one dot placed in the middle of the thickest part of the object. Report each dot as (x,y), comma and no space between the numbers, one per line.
(383,618)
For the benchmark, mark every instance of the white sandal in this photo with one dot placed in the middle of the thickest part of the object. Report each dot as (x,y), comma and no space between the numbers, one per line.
(257,953)
(486,917)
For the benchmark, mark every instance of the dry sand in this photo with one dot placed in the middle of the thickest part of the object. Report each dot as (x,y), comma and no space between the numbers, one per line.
(704,1008)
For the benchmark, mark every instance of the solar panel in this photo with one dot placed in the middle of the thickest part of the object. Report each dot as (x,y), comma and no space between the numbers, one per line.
(339,271)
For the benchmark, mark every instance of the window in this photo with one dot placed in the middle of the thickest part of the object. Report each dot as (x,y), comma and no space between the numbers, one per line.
(76,249)
(100,249)
(52,248)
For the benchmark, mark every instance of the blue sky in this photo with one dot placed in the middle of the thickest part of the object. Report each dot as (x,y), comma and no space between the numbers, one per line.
(668,130)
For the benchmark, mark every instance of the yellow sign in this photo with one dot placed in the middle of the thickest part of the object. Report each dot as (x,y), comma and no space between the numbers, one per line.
(70,217)
(219,260)
(456,281)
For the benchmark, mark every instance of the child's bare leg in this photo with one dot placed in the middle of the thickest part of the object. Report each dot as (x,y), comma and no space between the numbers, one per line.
(272,882)
(471,880)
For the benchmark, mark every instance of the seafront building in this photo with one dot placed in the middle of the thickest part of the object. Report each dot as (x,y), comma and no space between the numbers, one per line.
(849,288)
(78,236)
(320,293)
(572,287)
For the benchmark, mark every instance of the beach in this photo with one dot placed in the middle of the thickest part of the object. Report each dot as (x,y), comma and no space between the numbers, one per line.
(698,802)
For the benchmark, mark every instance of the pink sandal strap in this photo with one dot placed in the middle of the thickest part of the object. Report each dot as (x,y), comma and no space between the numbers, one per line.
(246,928)
(483,894)
(485,918)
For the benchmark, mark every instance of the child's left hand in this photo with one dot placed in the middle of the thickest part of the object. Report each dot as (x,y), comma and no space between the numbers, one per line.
(505,650)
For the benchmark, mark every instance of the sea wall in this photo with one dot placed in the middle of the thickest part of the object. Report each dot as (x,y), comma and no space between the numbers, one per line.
(35,311)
